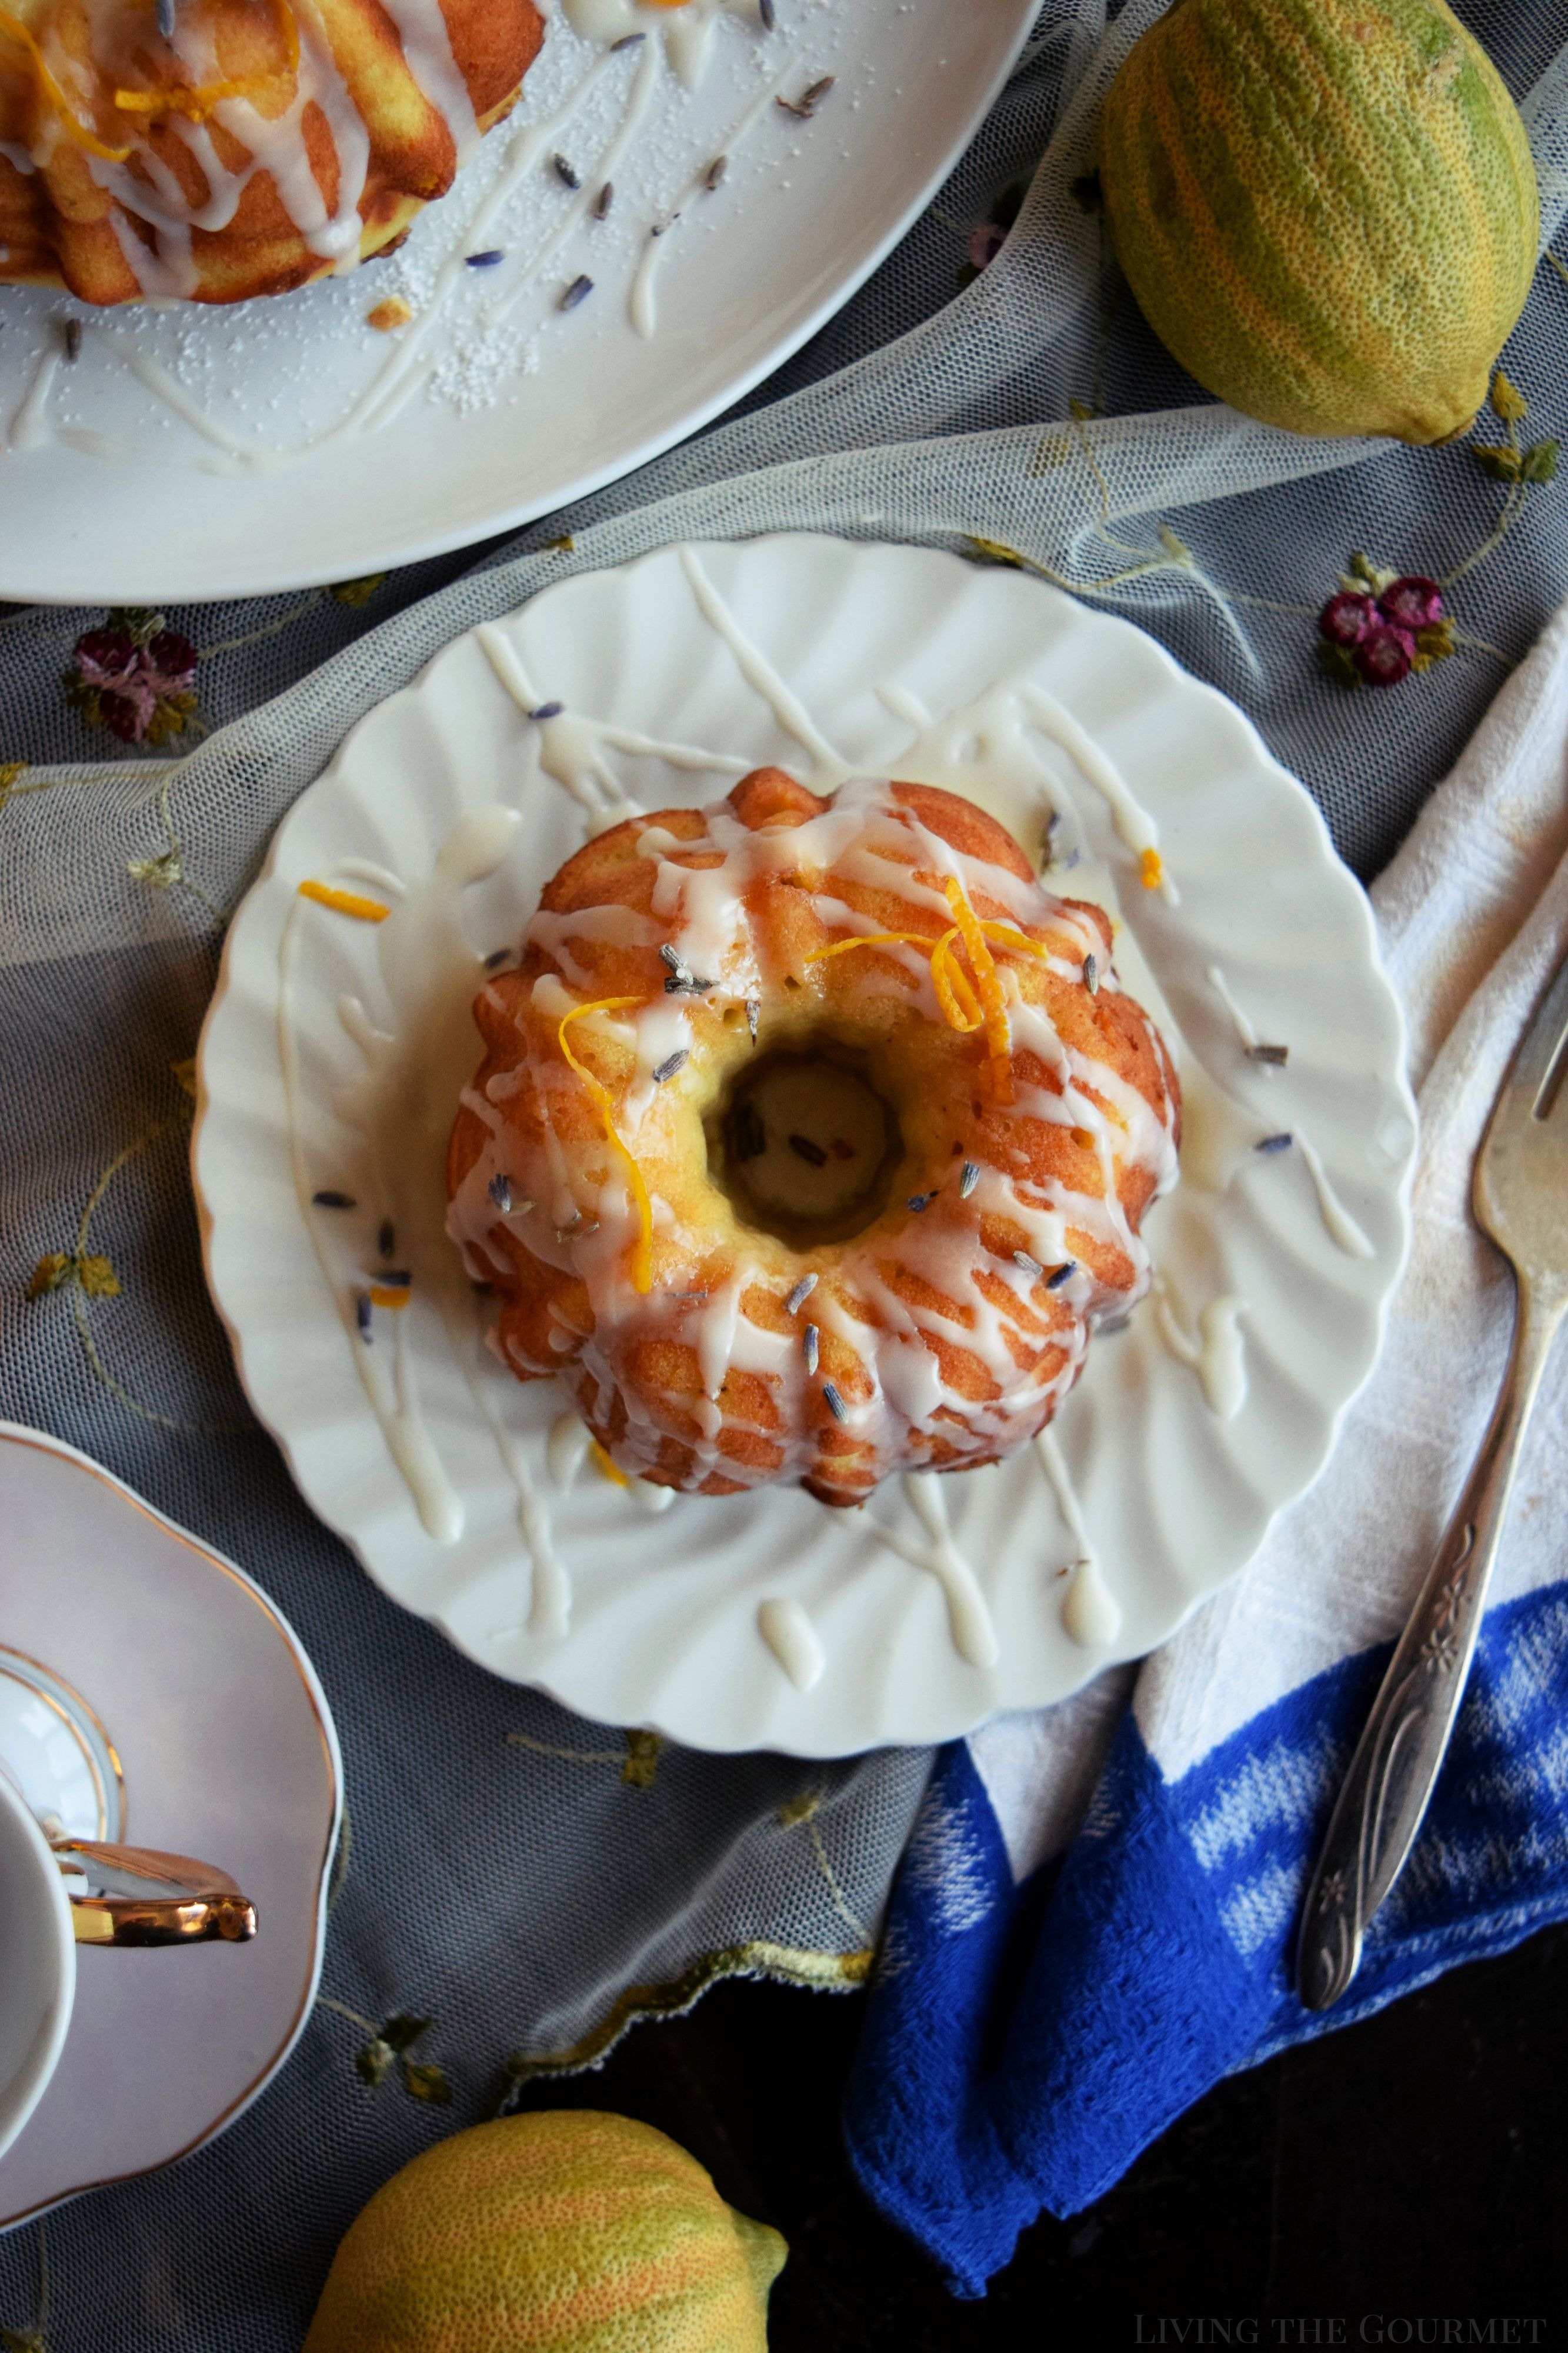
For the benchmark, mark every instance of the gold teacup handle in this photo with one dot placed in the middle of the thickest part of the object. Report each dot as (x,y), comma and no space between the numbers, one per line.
(188,1902)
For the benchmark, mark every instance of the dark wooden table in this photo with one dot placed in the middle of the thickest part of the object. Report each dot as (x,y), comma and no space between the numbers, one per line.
(1403,2182)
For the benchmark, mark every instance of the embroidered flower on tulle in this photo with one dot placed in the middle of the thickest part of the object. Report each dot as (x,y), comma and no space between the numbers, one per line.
(985,238)
(134,677)
(1381,626)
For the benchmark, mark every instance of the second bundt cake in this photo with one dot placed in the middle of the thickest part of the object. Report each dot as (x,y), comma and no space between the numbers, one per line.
(259,145)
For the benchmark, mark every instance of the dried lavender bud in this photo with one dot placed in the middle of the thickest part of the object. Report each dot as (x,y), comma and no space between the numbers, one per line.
(1059,1275)
(670,1064)
(73,340)
(1031,1266)
(1275,1056)
(674,959)
(486,260)
(1272,1144)
(968,1180)
(800,1294)
(767,15)
(627,41)
(1090,975)
(715,173)
(806,104)
(332,1200)
(499,1190)
(496,958)
(806,1149)
(547,711)
(578,291)
(361,1315)
(921,1200)
(166,18)
(603,200)
(563,171)
(387,1240)
(753,1009)
(811,1346)
(833,1402)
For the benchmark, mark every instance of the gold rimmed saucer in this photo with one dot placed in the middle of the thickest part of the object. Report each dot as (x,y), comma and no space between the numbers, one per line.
(149,1689)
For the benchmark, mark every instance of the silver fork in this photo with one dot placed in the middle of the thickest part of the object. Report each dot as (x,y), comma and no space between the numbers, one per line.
(1520,1199)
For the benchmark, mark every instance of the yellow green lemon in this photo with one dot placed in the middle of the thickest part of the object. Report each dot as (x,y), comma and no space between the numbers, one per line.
(570,2231)
(1326,208)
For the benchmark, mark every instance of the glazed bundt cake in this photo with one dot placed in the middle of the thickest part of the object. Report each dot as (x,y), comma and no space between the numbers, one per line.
(261,144)
(811,1138)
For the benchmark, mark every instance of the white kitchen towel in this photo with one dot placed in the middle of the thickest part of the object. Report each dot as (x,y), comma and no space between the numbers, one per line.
(1096,1916)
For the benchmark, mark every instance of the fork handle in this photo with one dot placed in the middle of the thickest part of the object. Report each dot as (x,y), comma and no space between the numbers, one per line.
(1385,1793)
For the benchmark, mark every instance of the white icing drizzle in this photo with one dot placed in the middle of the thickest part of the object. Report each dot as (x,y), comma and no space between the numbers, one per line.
(968,1615)
(828,767)
(1091,1613)
(1341,1225)
(399,1111)
(572,746)
(686,32)
(1221,987)
(794,1641)
(1217,1355)
(642,303)
(30,425)
(567,1448)
(392,1399)
(1338,1221)
(1131,819)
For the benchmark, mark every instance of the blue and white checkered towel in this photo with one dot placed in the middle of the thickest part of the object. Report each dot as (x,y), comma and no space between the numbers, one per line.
(1096,1916)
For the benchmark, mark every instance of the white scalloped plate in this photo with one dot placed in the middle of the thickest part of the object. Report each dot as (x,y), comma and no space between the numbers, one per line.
(663,1622)
(194,452)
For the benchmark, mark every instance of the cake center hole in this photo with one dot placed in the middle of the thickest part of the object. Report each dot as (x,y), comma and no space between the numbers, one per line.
(803,1145)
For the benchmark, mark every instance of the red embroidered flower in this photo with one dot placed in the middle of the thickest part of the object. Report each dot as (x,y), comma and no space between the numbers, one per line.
(1346,618)
(1379,629)
(1385,655)
(134,677)
(1412,603)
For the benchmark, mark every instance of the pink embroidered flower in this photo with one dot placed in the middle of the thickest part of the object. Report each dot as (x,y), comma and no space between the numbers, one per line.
(1412,603)
(986,240)
(1383,655)
(134,677)
(1346,618)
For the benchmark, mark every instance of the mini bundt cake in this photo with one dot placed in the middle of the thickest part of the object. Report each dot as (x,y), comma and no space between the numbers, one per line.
(261,144)
(811,1138)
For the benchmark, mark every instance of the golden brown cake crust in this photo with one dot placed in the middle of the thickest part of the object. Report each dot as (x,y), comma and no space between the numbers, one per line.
(126,176)
(947,1331)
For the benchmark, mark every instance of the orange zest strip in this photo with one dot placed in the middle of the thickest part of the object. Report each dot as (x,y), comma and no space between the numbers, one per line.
(870,940)
(1150,869)
(993,1004)
(197,103)
(604,1464)
(1007,935)
(76,130)
(642,1248)
(345,902)
(383,1295)
(953,992)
